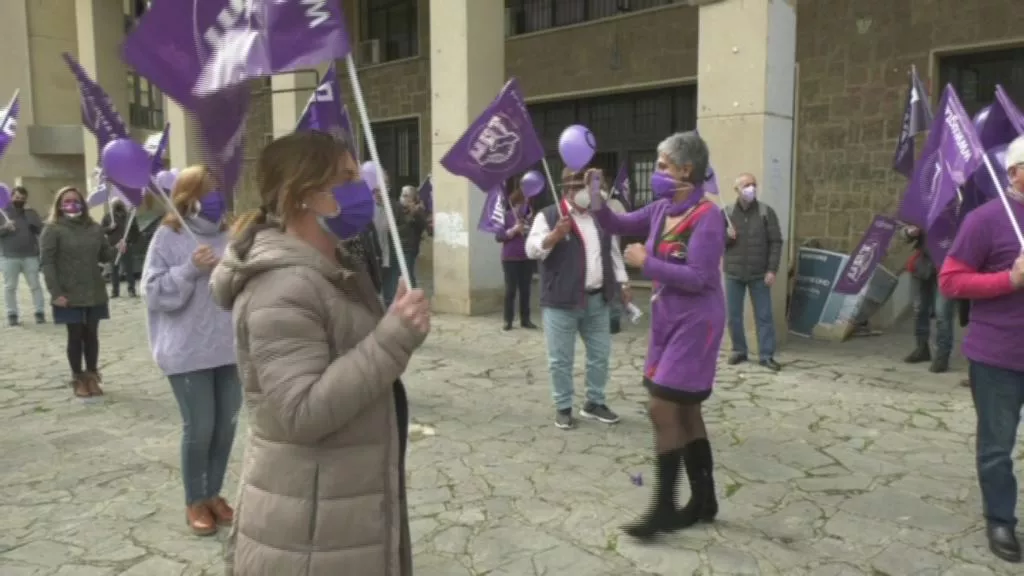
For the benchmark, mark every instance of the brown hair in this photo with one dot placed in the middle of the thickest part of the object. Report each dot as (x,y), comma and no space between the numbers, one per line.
(289,171)
(192,184)
(55,210)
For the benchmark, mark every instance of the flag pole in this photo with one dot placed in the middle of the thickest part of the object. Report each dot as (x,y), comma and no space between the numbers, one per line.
(169,204)
(1004,199)
(124,238)
(551,183)
(364,120)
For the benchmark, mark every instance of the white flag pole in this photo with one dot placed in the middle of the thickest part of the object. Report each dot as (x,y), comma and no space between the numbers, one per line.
(1005,200)
(124,238)
(551,183)
(364,120)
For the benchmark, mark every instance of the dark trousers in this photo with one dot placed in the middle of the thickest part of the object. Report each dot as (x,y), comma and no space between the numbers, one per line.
(126,266)
(83,343)
(998,396)
(518,278)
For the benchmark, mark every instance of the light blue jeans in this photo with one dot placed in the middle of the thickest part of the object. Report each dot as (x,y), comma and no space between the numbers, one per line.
(209,401)
(12,268)
(761,297)
(592,323)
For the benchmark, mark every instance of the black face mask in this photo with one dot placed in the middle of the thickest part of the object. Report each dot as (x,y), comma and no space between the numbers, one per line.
(18,203)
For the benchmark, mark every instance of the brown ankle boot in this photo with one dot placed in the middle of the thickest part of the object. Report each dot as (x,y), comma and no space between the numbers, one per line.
(92,382)
(200,520)
(79,386)
(222,512)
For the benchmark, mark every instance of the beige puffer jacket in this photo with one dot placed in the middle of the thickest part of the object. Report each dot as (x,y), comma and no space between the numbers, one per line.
(322,490)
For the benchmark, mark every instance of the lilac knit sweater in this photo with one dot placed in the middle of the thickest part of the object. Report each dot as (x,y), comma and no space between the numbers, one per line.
(187,330)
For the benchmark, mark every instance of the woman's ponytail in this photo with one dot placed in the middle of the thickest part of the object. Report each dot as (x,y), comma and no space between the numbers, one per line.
(245,229)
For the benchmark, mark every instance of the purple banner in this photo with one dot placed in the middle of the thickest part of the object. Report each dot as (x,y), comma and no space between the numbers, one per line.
(873,247)
(5,197)
(499,144)
(917,117)
(426,194)
(325,113)
(620,187)
(943,231)
(98,114)
(951,155)
(9,123)
(492,217)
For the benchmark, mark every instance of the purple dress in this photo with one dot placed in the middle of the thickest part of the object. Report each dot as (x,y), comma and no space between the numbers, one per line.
(688,304)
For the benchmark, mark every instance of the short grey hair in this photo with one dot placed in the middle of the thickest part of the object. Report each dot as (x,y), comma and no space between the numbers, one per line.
(410,190)
(684,148)
(742,177)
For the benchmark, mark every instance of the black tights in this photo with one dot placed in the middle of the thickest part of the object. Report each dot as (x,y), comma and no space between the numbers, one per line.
(83,342)
(675,424)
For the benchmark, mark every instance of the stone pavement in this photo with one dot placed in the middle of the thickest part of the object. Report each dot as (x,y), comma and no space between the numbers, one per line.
(846,463)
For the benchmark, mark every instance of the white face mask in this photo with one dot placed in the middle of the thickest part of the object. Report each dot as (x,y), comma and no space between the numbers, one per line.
(581,198)
(748,192)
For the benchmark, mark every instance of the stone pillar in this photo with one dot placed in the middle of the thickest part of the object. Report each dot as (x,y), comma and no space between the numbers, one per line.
(183,148)
(467,69)
(289,95)
(100,28)
(746,63)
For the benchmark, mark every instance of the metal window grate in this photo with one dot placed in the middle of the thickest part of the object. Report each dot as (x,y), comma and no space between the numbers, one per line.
(525,16)
(975,76)
(394,24)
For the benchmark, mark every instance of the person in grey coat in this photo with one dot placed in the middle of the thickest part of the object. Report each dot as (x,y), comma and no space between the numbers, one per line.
(20,227)
(753,252)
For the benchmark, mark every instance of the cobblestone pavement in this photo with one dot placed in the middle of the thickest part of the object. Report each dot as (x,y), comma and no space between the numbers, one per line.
(846,463)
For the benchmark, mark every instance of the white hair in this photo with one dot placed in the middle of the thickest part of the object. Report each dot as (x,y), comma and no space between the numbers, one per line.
(741,177)
(408,190)
(684,148)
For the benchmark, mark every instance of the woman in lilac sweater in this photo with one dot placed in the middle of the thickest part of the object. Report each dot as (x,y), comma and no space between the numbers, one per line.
(682,257)
(518,268)
(193,343)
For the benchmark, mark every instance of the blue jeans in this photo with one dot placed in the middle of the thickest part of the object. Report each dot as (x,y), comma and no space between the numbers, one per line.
(560,330)
(928,299)
(12,268)
(209,401)
(998,398)
(761,297)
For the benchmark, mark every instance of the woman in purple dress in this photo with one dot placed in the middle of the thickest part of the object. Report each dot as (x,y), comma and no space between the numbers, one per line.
(682,257)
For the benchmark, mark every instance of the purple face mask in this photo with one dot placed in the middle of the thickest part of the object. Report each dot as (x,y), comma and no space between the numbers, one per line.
(357,204)
(663,185)
(211,206)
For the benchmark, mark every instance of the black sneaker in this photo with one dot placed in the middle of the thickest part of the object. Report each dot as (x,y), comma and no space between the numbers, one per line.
(598,412)
(40,318)
(507,327)
(736,358)
(564,419)
(529,325)
(771,364)
(12,320)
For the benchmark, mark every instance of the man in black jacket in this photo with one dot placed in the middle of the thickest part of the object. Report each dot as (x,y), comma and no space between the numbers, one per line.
(115,223)
(20,227)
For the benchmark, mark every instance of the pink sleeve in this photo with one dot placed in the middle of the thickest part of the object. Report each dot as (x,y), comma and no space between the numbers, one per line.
(961,282)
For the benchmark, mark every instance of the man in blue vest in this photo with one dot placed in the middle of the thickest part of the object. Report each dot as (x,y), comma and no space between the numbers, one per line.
(581,272)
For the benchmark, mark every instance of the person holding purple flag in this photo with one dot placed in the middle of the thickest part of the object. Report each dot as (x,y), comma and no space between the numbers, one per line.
(192,341)
(753,253)
(321,362)
(19,254)
(122,231)
(985,265)
(72,247)
(517,266)
(928,301)
(581,266)
(414,223)
(682,256)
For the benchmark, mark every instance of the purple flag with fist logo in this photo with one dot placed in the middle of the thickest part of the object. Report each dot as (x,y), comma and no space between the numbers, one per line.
(324,111)
(98,113)
(501,143)
(950,156)
(869,254)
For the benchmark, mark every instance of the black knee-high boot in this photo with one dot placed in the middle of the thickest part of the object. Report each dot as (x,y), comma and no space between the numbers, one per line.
(703,506)
(661,517)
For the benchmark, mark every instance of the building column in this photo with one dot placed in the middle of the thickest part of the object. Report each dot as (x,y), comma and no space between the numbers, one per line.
(746,62)
(289,95)
(467,70)
(100,28)
(183,148)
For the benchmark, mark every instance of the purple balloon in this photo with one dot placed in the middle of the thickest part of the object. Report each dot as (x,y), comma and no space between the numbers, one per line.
(532,183)
(126,162)
(368,172)
(165,180)
(577,147)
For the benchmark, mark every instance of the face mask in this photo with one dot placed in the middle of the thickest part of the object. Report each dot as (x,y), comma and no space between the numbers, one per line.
(581,198)
(211,207)
(748,193)
(18,203)
(355,211)
(663,185)
(71,209)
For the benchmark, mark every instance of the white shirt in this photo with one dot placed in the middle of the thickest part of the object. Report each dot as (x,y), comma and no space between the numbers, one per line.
(587,227)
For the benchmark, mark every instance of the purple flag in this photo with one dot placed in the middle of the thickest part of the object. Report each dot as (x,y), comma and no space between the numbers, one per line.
(9,123)
(5,197)
(711,182)
(917,117)
(492,217)
(426,194)
(950,156)
(501,143)
(873,247)
(943,231)
(98,113)
(620,187)
(325,113)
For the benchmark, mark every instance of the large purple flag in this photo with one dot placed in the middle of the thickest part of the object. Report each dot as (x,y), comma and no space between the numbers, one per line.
(917,117)
(873,247)
(98,113)
(9,123)
(620,187)
(501,143)
(950,156)
(492,217)
(943,231)
(324,111)
(426,194)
